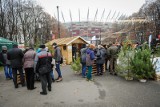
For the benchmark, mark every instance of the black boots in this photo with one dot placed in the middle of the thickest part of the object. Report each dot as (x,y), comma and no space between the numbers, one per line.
(43,93)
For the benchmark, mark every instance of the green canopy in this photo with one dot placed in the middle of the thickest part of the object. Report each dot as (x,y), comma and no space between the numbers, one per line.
(6,42)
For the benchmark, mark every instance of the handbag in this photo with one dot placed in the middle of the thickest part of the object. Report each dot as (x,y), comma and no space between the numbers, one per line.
(45,68)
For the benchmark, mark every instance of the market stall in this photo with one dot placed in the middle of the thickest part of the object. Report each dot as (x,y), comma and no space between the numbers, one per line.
(67,45)
(6,42)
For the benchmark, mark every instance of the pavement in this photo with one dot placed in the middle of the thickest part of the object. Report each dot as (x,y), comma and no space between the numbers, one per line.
(74,91)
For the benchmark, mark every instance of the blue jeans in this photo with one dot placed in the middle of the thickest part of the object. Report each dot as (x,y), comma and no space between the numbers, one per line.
(8,71)
(58,69)
(52,75)
(99,68)
(83,69)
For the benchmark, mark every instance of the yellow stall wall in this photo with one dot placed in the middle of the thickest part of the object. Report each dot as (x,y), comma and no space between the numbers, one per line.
(69,52)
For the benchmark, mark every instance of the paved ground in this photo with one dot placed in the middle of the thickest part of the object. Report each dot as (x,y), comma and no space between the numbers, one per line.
(74,91)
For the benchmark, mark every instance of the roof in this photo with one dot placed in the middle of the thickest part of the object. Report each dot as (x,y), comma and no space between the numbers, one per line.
(65,41)
(134,21)
(6,41)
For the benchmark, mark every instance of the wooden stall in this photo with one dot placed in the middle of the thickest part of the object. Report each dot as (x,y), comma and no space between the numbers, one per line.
(66,45)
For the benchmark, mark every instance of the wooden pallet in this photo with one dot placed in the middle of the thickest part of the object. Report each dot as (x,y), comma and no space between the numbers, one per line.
(94,68)
(19,79)
(157,77)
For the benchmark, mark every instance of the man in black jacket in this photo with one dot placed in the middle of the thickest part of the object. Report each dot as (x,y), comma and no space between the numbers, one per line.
(15,55)
(42,59)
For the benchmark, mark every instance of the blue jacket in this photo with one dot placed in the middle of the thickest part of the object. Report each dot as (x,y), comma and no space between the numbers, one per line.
(91,52)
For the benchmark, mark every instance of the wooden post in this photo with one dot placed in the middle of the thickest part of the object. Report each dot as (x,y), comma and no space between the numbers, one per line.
(69,56)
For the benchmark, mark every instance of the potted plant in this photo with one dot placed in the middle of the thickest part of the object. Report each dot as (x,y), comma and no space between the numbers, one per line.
(76,66)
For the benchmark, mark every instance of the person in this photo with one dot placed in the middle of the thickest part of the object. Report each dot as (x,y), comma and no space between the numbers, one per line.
(83,60)
(42,59)
(100,59)
(107,58)
(113,51)
(38,50)
(90,60)
(6,63)
(29,57)
(26,49)
(74,50)
(15,55)
(57,56)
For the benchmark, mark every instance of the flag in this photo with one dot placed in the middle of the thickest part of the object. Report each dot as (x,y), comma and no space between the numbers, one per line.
(53,36)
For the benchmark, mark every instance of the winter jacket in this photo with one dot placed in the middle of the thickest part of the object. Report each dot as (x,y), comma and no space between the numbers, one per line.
(113,51)
(43,58)
(101,56)
(29,57)
(90,57)
(83,55)
(15,55)
(1,59)
(57,54)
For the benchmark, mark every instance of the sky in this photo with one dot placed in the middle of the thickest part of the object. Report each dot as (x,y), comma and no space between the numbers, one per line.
(125,7)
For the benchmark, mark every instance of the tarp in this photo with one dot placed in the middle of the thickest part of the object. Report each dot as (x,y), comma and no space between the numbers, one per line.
(6,42)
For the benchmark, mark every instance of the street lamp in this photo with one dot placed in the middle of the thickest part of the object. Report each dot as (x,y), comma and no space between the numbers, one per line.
(58,21)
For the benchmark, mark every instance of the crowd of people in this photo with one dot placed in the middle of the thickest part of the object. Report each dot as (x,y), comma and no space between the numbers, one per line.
(40,63)
(32,62)
(101,55)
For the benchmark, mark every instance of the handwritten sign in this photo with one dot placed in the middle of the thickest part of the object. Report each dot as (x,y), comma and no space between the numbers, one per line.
(157,65)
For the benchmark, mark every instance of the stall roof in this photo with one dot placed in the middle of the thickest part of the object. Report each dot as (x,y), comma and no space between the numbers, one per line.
(6,41)
(66,41)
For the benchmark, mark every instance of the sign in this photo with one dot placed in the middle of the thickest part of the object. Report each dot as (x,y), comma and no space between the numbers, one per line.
(150,40)
(69,47)
(157,64)
(21,46)
(53,36)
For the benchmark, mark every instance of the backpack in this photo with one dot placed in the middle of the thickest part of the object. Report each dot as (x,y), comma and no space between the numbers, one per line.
(89,62)
(99,54)
(83,55)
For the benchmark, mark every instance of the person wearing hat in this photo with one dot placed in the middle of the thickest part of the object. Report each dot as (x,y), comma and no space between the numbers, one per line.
(15,55)
(42,59)
(89,61)
(6,63)
(57,56)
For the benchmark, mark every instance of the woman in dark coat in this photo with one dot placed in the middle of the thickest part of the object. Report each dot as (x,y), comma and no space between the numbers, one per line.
(100,59)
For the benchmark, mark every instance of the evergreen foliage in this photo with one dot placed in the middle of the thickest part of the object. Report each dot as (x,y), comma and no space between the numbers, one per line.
(76,66)
(142,63)
(123,67)
(136,63)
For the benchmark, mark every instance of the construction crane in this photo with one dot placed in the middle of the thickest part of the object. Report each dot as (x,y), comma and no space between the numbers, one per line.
(102,15)
(63,16)
(95,17)
(108,16)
